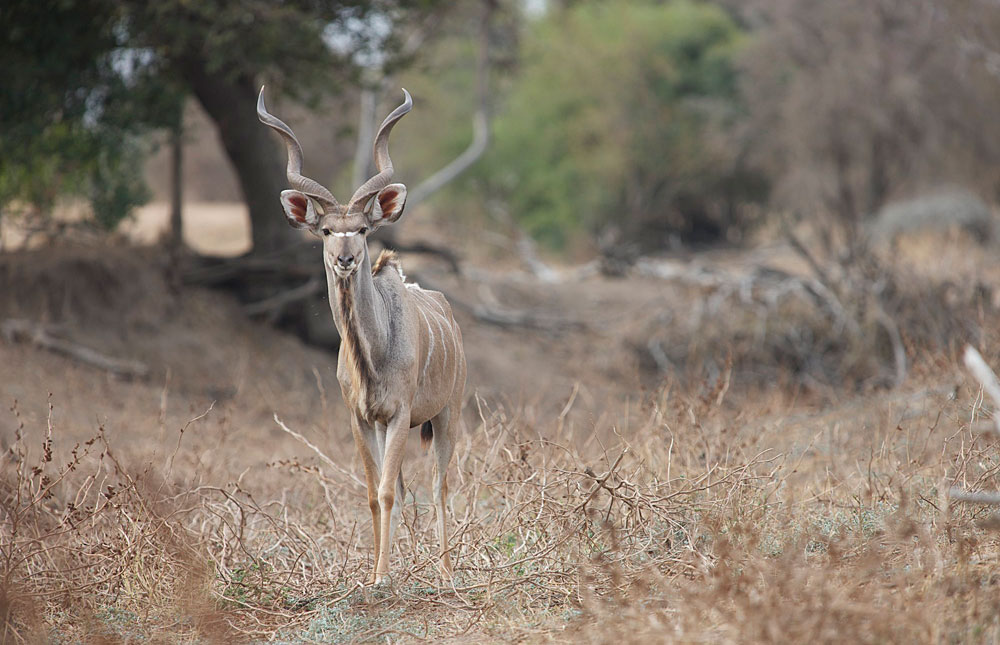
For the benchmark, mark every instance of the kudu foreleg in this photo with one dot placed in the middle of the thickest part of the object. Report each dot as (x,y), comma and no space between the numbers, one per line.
(368,449)
(390,485)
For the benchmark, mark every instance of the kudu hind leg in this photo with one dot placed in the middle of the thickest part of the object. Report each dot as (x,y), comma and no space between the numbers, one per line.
(443,449)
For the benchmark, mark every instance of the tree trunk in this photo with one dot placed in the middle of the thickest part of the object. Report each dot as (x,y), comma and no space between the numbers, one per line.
(177,185)
(256,158)
(176,201)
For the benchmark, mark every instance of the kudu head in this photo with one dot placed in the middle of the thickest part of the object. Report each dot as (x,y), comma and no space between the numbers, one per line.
(311,206)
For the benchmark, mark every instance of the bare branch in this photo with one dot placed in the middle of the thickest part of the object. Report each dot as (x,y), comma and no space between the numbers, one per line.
(14,330)
(461,163)
(975,364)
(276,303)
(981,497)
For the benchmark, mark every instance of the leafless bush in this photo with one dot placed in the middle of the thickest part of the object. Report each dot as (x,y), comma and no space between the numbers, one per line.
(88,537)
(541,524)
(866,101)
(863,323)
(673,518)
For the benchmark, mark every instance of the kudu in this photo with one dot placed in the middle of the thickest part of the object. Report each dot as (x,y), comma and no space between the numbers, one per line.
(401,362)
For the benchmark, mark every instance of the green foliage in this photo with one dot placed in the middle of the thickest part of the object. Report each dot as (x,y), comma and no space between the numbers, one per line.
(620,118)
(84,80)
(71,159)
(116,184)
(281,42)
(73,101)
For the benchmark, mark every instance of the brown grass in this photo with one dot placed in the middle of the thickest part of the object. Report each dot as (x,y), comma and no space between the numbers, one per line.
(696,519)
(700,510)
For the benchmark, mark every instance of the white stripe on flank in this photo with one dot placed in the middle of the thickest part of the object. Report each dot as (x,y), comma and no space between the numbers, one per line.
(443,346)
(430,344)
(454,338)
(438,309)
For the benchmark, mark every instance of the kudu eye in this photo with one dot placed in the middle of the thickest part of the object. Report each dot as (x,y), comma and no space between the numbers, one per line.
(363,230)
(326,231)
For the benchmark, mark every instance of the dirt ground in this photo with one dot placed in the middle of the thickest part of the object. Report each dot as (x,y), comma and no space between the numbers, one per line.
(639,462)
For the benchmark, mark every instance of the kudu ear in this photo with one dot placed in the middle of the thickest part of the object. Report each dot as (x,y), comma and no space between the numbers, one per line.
(388,205)
(299,210)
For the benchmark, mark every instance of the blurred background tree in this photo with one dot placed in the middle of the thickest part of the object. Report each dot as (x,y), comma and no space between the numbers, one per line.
(868,101)
(620,121)
(83,78)
(70,116)
(636,125)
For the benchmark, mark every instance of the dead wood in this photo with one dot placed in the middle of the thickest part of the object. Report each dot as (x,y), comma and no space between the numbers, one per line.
(281,280)
(287,265)
(519,318)
(988,498)
(275,305)
(490,311)
(16,330)
(854,280)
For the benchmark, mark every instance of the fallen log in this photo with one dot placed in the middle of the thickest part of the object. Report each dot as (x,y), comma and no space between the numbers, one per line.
(274,305)
(16,330)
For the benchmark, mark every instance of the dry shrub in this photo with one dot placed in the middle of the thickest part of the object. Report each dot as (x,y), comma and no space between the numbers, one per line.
(861,325)
(95,546)
(540,523)
(693,514)
(828,555)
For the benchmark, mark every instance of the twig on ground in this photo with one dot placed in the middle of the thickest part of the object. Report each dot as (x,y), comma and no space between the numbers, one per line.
(986,377)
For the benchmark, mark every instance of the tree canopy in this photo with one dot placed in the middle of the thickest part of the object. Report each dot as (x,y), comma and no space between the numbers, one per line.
(614,123)
(643,122)
(70,115)
(84,78)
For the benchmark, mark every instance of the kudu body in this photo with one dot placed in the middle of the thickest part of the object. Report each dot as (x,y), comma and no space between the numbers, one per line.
(401,362)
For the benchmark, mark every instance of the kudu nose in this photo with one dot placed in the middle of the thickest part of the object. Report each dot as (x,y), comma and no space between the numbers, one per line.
(345,260)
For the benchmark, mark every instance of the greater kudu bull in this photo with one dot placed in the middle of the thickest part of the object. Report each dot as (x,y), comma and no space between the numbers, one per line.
(401,362)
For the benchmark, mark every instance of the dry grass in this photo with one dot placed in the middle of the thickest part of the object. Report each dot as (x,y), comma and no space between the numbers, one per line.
(715,508)
(696,518)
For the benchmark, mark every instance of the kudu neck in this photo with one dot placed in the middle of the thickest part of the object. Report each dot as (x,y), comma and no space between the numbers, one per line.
(357,303)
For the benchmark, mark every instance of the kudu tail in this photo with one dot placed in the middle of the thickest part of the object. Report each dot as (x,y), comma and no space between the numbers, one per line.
(426,434)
